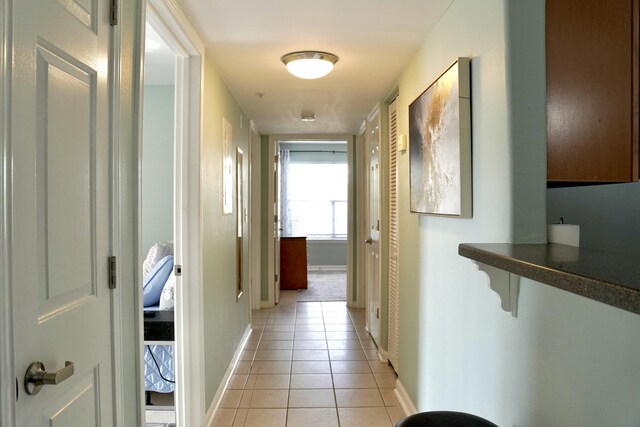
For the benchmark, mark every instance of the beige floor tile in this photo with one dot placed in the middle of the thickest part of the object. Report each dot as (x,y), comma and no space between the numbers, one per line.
(311,381)
(309,321)
(350,367)
(379,367)
(342,335)
(271,336)
(245,401)
(309,335)
(251,382)
(224,417)
(242,367)
(280,327)
(389,397)
(241,417)
(387,380)
(319,398)
(247,355)
(339,327)
(337,320)
(316,417)
(266,418)
(251,344)
(354,381)
(276,345)
(314,367)
(309,328)
(364,417)
(372,355)
(344,345)
(271,382)
(310,355)
(269,399)
(310,345)
(354,398)
(367,344)
(273,355)
(237,382)
(347,355)
(231,399)
(271,367)
(396,414)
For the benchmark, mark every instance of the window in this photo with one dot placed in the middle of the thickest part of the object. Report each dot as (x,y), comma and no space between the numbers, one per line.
(316,200)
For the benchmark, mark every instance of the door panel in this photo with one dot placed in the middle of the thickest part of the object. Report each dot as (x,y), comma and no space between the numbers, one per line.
(373,225)
(60,209)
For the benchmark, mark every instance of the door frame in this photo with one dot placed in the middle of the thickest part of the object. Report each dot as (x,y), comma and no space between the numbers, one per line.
(274,140)
(168,19)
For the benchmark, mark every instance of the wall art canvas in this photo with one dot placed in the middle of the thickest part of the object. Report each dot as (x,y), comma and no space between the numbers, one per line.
(440,145)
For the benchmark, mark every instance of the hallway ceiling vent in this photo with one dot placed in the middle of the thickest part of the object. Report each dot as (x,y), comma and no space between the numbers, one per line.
(309,64)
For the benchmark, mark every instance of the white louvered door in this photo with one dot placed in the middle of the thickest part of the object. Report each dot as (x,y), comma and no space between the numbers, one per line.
(394,285)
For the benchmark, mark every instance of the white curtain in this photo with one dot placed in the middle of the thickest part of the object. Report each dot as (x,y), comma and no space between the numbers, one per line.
(285,208)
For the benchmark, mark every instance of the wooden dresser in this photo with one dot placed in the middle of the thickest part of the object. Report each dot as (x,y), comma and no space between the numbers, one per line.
(293,263)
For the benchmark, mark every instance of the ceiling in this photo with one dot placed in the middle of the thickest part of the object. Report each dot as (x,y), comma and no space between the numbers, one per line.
(374,40)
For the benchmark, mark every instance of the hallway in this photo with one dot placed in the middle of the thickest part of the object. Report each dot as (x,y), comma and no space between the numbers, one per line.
(309,363)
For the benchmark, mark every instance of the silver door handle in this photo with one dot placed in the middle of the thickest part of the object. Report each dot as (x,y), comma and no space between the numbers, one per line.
(37,376)
(369,241)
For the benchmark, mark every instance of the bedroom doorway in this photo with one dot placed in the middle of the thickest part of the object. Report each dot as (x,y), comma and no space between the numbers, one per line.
(169,222)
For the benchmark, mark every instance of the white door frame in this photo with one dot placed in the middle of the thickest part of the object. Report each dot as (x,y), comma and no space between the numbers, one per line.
(273,141)
(7,385)
(168,19)
(255,217)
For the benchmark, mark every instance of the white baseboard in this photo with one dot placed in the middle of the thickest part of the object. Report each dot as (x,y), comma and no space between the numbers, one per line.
(383,355)
(265,304)
(326,268)
(213,408)
(406,403)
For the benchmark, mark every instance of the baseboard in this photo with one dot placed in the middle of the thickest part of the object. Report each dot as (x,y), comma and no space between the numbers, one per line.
(215,403)
(406,403)
(265,304)
(383,355)
(326,268)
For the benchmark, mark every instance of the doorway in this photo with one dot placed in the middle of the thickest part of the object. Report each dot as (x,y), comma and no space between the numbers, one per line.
(312,209)
(180,188)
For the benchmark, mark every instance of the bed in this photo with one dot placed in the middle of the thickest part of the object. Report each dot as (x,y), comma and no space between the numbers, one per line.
(158,299)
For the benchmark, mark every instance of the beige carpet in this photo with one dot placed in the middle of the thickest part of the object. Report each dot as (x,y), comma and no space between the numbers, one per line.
(325,286)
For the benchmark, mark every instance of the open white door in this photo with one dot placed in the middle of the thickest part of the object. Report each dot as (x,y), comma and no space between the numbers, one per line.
(373,225)
(59,204)
(276,226)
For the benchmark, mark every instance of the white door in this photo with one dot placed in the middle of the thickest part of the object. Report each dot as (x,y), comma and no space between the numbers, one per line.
(373,225)
(60,209)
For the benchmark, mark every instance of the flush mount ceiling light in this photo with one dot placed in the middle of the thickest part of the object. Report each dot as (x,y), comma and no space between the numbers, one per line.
(309,64)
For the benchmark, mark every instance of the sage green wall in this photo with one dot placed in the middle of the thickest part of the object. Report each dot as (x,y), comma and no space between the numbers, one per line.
(565,360)
(225,319)
(157,165)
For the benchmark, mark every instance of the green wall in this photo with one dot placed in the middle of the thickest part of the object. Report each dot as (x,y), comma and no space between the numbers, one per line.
(565,360)
(157,165)
(225,319)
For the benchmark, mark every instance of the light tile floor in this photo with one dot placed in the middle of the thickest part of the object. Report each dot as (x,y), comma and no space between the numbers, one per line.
(309,363)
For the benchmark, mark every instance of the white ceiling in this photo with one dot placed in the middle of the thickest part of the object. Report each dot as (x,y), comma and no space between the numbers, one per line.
(374,40)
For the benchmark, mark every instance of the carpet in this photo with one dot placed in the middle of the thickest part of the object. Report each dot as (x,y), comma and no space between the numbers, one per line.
(325,286)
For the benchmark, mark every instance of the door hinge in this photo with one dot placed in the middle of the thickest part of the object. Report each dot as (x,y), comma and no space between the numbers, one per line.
(276,278)
(112,272)
(378,225)
(177,270)
(113,13)
(377,313)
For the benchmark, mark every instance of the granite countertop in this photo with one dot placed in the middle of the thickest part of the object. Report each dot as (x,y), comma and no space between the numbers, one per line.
(609,278)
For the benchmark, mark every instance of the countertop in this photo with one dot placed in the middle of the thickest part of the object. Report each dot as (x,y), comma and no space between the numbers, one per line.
(609,278)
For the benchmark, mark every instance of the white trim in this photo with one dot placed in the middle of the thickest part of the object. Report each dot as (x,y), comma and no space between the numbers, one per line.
(361,232)
(217,399)
(7,386)
(168,19)
(265,304)
(255,214)
(383,355)
(403,397)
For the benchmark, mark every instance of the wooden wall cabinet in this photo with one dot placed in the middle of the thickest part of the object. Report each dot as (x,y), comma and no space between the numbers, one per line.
(293,263)
(592,90)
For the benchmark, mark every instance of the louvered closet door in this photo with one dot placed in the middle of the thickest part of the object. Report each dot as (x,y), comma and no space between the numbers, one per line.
(394,285)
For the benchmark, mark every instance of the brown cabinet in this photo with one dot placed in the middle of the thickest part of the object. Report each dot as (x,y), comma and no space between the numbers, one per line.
(592,90)
(293,263)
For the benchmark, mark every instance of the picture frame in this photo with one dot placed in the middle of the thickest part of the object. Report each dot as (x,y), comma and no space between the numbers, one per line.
(440,145)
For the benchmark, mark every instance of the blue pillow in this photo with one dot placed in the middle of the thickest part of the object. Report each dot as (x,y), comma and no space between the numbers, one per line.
(155,280)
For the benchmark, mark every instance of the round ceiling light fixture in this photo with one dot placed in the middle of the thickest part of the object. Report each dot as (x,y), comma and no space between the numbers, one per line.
(309,64)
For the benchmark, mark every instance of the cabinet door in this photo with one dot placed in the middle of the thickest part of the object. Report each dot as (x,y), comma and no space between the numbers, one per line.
(592,102)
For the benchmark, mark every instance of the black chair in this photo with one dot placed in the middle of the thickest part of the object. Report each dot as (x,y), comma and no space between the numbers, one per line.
(444,419)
